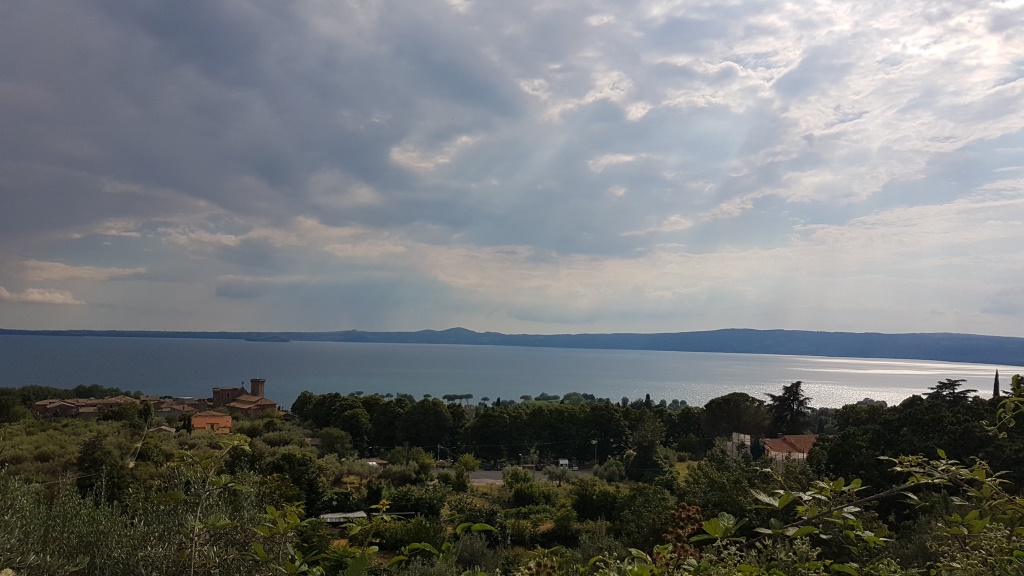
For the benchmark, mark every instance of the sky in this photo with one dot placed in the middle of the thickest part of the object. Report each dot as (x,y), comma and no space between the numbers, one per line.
(526,167)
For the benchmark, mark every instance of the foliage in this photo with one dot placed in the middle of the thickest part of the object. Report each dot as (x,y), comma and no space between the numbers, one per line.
(735,412)
(514,476)
(107,498)
(613,470)
(789,410)
(949,390)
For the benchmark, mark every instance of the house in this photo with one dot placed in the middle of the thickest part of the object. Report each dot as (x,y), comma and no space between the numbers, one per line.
(80,407)
(738,444)
(252,406)
(172,410)
(55,408)
(162,430)
(251,403)
(216,422)
(563,462)
(789,446)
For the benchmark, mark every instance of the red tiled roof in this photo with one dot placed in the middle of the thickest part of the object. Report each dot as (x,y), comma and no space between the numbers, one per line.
(208,413)
(791,443)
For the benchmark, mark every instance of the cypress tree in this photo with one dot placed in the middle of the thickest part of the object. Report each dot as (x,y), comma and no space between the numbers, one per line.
(995,387)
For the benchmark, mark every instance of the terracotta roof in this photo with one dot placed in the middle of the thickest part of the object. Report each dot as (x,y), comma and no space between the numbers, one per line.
(175,408)
(210,413)
(791,443)
(245,402)
(248,398)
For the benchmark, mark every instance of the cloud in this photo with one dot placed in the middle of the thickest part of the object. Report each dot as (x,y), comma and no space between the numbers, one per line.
(652,165)
(39,296)
(37,271)
(409,156)
(604,161)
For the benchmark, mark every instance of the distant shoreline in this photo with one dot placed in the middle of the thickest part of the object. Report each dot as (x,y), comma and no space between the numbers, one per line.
(945,347)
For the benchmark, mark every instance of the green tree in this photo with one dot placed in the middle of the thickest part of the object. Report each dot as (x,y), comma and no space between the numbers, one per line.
(426,423)
(556,474)
(645,516)
(948,390)
(643,463)
(102,473)
(357,423)
(594,499)
(303,403)
(488,432)
(468,462)
(335,441)
(789,410)
(606,424)
(735,412)
(11,409)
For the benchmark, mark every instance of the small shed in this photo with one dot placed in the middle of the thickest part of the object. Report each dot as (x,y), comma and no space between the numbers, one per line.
(339,518)
(563,462)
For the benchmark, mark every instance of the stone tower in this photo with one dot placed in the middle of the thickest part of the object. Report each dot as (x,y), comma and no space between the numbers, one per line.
(256,386)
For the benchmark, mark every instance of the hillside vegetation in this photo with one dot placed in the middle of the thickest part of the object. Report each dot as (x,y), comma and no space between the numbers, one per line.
(931,486)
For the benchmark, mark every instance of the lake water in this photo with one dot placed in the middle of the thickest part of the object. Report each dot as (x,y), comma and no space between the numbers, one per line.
(191,367)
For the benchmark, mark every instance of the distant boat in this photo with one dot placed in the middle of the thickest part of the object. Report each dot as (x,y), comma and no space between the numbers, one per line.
(272,338)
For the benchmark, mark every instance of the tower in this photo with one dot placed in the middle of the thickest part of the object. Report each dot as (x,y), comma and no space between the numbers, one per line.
(256,386)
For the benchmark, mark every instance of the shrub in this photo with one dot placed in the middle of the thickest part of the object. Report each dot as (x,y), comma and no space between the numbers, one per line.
(611,471)
(398,533)
(594,499)
(425,500)
(461,508)
(534,494)
(595,540)
(646,515)
(472,551)
(280,439)
(515,476)
(520,532)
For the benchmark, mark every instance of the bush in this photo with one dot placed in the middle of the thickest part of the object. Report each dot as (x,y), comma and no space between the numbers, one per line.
(468,462)
(461,508)
(425,500)
(472,552)
(646,515)
(534,494)
(458,480)
(280,439)
(397,533)
(400,474)
(515,476)
(594,499)
(520,532)
(595,540)
(611,471)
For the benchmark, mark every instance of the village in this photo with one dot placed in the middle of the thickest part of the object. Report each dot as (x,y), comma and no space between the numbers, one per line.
(213,414)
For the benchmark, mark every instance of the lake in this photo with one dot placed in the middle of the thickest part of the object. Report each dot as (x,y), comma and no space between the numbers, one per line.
(191,367)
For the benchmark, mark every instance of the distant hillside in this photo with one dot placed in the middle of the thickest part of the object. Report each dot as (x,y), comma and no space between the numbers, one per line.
(945,347)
